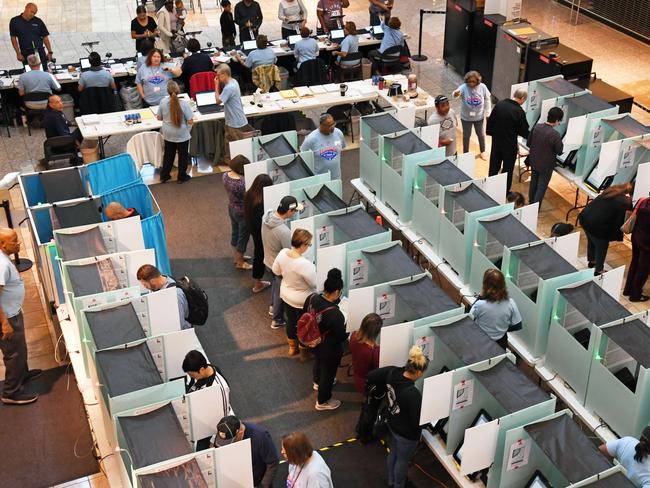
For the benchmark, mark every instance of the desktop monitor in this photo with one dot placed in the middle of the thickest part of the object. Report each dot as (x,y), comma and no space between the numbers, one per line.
(538,480)
(482,418)
(249,45)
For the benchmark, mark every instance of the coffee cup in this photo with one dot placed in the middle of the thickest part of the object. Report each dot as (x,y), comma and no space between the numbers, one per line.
(344,88)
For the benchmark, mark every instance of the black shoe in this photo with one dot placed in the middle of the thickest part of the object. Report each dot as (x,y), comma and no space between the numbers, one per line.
(165,180)
(19,399)
(183,179)
(642,298)
(32,374)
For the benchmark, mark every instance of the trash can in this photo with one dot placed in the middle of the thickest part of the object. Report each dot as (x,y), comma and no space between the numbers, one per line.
(355,116)
(89,150)
(366,68)
(130,96)
(284,78)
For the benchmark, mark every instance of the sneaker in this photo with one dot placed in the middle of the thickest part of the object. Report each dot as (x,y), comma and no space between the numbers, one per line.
(330,404)
(271,311)
(244,265)
(32,374)
(277,325)
(19,399)
(315,385)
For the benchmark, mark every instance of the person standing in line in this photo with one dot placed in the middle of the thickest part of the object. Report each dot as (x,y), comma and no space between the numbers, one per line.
(227,23)
(307,469)
(275,237)
(306,48)
(233,182)
(226,91)
(254,213)
(151,80)
(544,146)
(639,270)
(379,9)
(633,455)
(330,14)
(29,34)
(166,26)
(177,119)
(328,354)
(12,340)
(327,143)
(505,123)
(142,27)
(293,15)
(494,312)
(475,107)
(404,425)
(248,16)
(298,282)
(446,117)
(602,219)
(365,350)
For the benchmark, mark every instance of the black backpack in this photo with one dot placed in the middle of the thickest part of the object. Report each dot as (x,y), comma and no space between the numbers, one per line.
(197,300)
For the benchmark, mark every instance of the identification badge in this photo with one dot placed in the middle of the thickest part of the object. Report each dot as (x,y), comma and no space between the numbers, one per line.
(472,114)
(156,89)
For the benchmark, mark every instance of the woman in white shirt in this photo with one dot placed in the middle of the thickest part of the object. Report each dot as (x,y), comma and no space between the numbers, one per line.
(293,15)
(307,469)
(298,282)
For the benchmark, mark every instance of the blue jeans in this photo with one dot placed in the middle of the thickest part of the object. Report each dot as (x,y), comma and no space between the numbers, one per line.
(238,231)
(276,302)
(539,181)
(401,452)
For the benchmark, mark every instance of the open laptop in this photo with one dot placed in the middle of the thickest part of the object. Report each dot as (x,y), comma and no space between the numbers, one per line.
(248,46)
(206,103)
(84,63)
(293,39)
(377,32)
(336,36)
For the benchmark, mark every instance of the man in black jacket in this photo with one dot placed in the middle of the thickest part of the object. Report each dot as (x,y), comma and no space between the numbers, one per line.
(506,122)
(248,16)
(545,144)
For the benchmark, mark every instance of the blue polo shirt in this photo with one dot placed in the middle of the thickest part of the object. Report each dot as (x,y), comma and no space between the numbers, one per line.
(392,37)
(305,50)
(96,78)
(260,57)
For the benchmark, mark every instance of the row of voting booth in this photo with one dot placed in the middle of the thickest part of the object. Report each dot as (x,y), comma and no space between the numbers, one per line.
(130,340)
(481,412)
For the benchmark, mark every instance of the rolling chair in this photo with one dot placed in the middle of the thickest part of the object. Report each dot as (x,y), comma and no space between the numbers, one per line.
(310,73)
(351,72)
(35,115)
(60,148)
(389,61)
(97,100)
(202,81)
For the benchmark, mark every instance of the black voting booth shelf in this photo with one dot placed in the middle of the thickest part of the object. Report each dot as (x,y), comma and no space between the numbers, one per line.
(509,231)
(562,87)
(80,245)
(356,224)
(408,143)
(594,303)
(544,261)
(468,341)
(127,369)
(114,326)
(278,146)
(326,200)
(296,169)
(75,213)
(423,298)
(384,124)
(390,264)
(618,480)
(445,173)
(96,277)
(472,198)
(633,337)
(61,185)
(185,475)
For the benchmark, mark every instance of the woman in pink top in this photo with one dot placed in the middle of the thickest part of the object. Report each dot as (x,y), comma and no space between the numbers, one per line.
(365,350)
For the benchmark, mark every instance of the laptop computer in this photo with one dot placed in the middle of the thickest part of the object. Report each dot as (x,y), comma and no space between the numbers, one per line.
(377,32)
(293,39)
(206,103)
(84,63)
(336,36)
(248,46)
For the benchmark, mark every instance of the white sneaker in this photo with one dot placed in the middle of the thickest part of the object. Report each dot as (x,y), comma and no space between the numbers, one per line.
(276,325)
(315,385)
(271,311)
(330,404)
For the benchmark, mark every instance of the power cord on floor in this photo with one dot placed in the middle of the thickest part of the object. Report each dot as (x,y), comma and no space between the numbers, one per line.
(428,475)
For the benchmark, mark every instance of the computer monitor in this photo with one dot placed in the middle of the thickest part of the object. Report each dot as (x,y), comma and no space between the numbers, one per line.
(205,98)
(596,183)
(249,45)
(538,480)
(293,39)
(482,418)
(84,63)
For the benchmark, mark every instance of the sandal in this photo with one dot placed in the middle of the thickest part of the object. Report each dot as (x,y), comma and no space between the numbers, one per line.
(265,285)
(642,298)
(244,265)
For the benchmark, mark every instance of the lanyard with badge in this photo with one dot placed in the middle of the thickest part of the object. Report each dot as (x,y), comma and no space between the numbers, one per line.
(291,483)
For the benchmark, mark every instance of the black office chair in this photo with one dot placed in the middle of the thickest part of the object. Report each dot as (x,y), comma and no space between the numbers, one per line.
(350,71)
(389,61)
(280,122)
(310,73)
(35,116)
(97,100)
(60,148)
(342,115)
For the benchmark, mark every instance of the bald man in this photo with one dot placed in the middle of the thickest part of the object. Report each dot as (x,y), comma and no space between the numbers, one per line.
(327,142)
(29,34)
(55,123)
(115,211)
(12,341)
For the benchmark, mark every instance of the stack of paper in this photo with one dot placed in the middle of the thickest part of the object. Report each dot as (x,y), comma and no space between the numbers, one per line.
(118,68)
(318,89)
(63,76)
(288,93)
(304,91)
(331,87)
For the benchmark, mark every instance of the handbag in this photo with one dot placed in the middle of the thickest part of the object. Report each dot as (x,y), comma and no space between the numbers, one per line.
(630,218)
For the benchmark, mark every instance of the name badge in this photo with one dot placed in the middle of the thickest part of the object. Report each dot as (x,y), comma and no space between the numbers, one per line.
(156,89)
(472,114)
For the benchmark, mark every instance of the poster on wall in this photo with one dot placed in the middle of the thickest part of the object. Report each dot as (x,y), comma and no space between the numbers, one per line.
(426,343)
(463,394)
(358,273)
(628,156)
(597,136)
(325,236)
(385,306)
(518,454)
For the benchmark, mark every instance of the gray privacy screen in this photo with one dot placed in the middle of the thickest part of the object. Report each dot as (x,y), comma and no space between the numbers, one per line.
(154,437)
(114,326)
(618,480)
(628,126)
(594,303)
(445,173)
(93,278)
(633,337)
(424,298)
(568,448)
(296,169)
(278,147)
(409,143)
(82,213)
(186,475)
(561,86)
(79,245)
(62,185)
(510,387)
(544,261)
(472,198)
(588,103)
(326,200)
(391,264)
(356,224)
(127,369)
(509,231)
(468,341)
(384,124)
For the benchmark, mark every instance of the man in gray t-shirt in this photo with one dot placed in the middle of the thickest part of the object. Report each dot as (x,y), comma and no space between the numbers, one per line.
(36,81)
(12,340)
(448,121)
(327,143)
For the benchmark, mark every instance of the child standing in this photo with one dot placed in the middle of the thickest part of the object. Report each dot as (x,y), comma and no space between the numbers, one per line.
(227,21)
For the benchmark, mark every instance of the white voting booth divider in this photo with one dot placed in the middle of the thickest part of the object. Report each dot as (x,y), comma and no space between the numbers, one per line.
(269,167)
(642,184)
(395,344)
(118,235)
(276,192)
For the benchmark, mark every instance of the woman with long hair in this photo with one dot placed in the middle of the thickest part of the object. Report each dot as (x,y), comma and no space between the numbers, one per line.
(634,455)
(253,213)
(176,116)
(602,219)
(494,312)
(365,350)
(152,78)
(233,182)
(306,467)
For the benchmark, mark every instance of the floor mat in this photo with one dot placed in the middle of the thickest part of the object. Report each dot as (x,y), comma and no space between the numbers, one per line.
(53,434)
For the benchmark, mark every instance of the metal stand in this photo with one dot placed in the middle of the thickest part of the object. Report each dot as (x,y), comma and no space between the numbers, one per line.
(419,56)
(22,264)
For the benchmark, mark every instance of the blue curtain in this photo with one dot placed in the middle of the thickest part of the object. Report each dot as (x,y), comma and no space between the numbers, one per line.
(34,191)
(153,230)
(111,173)
(43,223)
(136,195)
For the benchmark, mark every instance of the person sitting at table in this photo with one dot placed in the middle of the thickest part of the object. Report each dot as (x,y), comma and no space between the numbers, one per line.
(197,62)
(36,81)
(393,36)
(327,143)
(151,80)
(116,211)
(293,15)
(56,124)
(96,76)
(145,48)
(261,56)
(248,16)
(349,45)
(142,27)
(306,48)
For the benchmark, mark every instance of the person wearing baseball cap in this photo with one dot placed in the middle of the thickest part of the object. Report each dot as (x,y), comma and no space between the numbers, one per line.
(634,455)
(265,456)
(448,120)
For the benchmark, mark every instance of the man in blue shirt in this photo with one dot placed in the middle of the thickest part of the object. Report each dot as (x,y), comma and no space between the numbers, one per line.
(152,279)
(37,82)
(327,143)
(393,36)
(96,76)
(306,48)
(29,34)
(12,339)
(261,56)
(226,91)
(634,455)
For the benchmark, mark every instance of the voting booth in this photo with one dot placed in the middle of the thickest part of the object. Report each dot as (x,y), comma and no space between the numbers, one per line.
(534,271)
(461,206)
(283,169)
(579,310)
(552,451)
(496,232)
(271,146)
(372,128)
(430,178)
(336,233)
(619,380)
(542,90)
(273,194)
